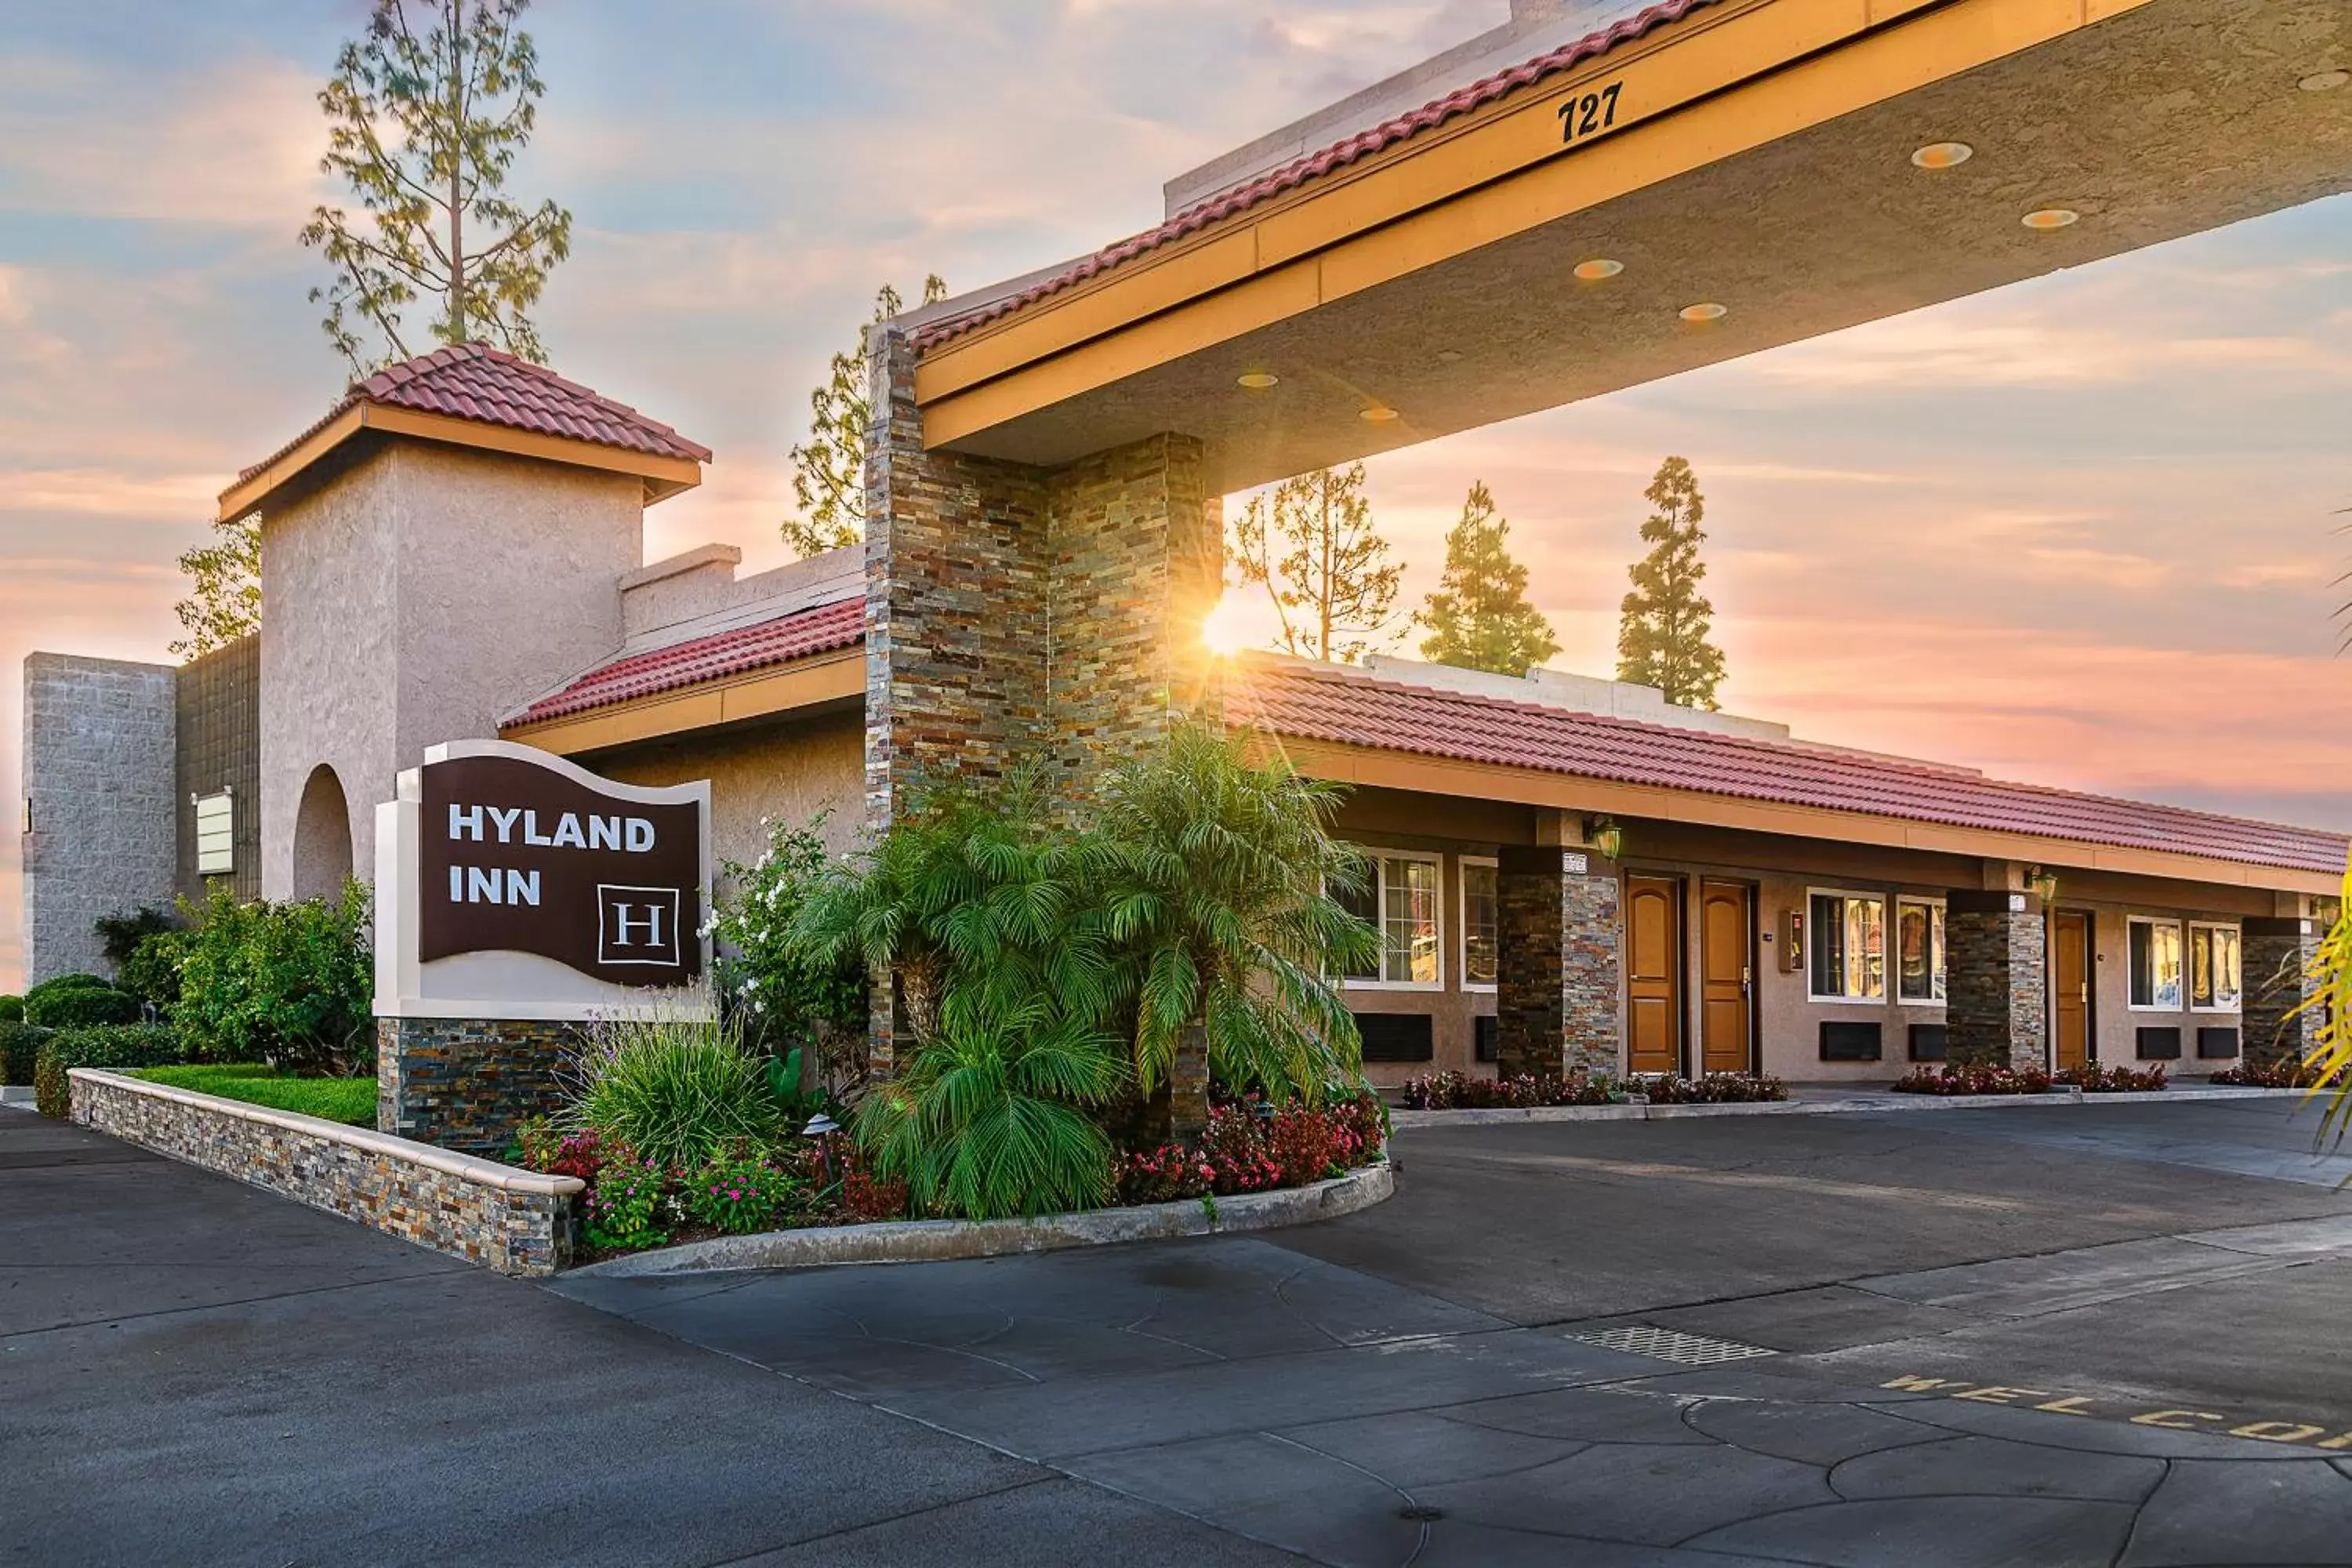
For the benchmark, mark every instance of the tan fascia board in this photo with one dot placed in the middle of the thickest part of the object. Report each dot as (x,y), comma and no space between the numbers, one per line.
(763,694)
(1527,786)
(1715,85)
(663,477)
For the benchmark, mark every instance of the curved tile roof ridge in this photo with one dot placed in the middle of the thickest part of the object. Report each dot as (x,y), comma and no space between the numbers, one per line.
(1339,155)
(1859,781)
(793,634)
(490,386)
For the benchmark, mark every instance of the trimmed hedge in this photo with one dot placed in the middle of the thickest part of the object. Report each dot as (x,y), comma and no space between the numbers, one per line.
(81,1006)
(106,1046)
(12,1009)
(20,1044)
(75,982)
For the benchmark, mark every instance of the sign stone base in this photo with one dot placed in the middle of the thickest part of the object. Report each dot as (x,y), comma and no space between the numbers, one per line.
(466,1084)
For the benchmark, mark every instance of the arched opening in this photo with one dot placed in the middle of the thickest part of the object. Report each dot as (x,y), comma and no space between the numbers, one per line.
(322,837)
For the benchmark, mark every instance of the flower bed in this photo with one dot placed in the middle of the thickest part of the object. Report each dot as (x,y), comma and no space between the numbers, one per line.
(633,1203)
(2295,1073)
(2097,1079)
(1460,1091)
(1981,1079)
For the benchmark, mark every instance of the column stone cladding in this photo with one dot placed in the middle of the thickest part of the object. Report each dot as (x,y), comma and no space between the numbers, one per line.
(2276,968)
(1997,983)
(1557,980)
(1020,614)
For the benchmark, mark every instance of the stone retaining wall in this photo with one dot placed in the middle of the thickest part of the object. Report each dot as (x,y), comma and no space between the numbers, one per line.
(517,1222)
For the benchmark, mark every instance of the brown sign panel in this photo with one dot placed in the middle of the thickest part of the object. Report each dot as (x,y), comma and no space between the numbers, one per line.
(519,858)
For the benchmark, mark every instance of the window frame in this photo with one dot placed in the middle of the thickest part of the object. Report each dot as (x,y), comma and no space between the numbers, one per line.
(2131,968)
(1939,913)
(1883,900)
(223,801)
(1380,855)
(1462,923)
(2189,972)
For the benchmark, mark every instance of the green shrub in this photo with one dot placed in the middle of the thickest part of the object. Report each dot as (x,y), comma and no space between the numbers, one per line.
(674,1091)
(57,983)
(81,1006)
(741,1192)
(784,996)
(143,947)
(12,1009)
(290,984)
(20,1043)
(103,1046)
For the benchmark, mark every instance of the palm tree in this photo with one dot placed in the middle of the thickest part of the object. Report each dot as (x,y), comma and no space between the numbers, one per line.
(1214,872)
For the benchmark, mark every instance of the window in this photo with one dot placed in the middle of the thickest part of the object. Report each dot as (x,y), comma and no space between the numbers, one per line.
(1849,932)
(1481,925)
(2154,965)
(1919,949)
(2214,981)
(1400,901)
(215,834)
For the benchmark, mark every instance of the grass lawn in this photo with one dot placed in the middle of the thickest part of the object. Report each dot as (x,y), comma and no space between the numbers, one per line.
(345,1099)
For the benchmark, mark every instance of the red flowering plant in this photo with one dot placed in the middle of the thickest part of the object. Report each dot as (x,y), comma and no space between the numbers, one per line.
(543,1147)
(1709,1089)
(1251,1146)
(1460,1091)
(1979,1079)
(2095,1078)
(2290,1072)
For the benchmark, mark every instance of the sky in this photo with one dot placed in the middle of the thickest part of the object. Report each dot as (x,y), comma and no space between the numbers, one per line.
(2080,531)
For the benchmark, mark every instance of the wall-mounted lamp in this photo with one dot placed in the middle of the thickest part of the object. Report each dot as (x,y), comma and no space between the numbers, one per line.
(2043,883)
(1604,834)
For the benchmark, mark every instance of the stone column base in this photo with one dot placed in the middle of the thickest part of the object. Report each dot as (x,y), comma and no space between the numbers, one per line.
(1556,964)
(2276,968)
(466,1084)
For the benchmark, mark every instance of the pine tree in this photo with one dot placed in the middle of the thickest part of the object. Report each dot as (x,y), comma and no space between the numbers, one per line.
(1662,631)
(829,468)
(1334,586)
(1480,618)
(463,98)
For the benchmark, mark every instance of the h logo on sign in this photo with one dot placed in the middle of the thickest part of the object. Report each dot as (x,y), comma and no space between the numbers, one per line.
(637,925)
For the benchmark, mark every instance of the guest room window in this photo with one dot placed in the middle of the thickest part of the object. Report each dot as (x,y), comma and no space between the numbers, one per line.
(1401,899)
(2155,951)
(2214,981)
(1481,924)
(1919,949)
(1849,932)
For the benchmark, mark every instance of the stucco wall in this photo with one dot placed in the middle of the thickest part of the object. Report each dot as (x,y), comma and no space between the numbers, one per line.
(98,759)
(414,598)
(782,772)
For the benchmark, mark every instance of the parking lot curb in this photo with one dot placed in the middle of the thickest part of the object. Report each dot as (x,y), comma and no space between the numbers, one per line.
(1853,1105)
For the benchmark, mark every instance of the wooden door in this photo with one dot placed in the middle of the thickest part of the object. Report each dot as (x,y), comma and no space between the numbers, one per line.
(2070,985)
(1727,935)
(1653,974)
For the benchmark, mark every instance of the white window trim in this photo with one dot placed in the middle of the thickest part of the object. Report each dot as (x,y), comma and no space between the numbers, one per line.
(2187,984)
(1461,922)
(1377,853)
(1885,997)
(2131,975)
(1895,959)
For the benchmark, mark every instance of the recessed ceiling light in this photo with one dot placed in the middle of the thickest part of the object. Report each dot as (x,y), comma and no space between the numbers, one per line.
(1259,380)
(1377,414)
(1943,154)
(1599,268)
(2324,81)
(1710,311)
(2047,218)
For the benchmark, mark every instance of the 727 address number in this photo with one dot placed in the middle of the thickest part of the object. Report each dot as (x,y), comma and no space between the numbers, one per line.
(1586,117)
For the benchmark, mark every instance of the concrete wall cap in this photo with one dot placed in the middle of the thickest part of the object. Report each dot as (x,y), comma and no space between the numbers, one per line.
(487,1173)
(684,561)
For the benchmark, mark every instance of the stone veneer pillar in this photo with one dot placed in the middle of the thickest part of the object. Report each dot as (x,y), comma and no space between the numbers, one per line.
(1023,614)
(2276,964)
(466,1084)
(1997,984)
(1558,973)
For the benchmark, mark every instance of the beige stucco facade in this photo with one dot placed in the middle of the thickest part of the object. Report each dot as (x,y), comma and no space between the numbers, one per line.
(415,595)
(786,773)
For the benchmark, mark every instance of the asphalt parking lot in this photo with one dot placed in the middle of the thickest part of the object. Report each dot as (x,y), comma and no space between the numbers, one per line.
(2002,1336)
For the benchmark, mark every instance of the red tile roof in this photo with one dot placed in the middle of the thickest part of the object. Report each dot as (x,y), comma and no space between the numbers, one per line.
(1333,703)
(1307,702)
(490,386)
(821,629)
(1362,144)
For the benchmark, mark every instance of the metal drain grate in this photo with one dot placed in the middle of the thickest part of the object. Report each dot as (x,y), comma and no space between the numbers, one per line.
(1688,1350)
